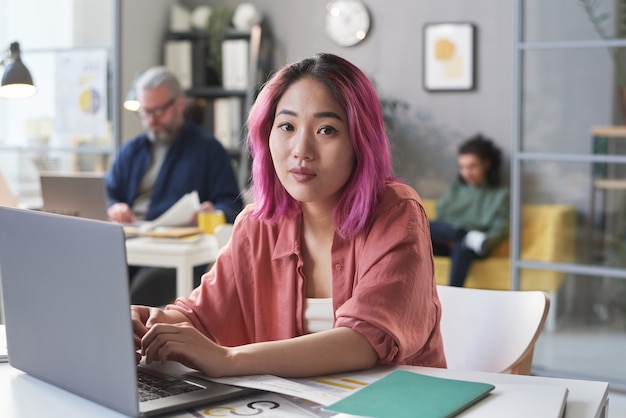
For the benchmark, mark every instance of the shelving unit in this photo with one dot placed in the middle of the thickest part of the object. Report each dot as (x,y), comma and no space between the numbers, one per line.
(204,84)
(607,186)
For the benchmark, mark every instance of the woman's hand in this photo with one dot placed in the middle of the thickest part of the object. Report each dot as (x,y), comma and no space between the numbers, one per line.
(143,317)
(182,342)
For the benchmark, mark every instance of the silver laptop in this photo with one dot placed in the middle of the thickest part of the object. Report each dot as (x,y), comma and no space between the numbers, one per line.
(74,194)
(67,315)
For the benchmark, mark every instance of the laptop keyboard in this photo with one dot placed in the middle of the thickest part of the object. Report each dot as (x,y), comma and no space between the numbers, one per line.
(153,387)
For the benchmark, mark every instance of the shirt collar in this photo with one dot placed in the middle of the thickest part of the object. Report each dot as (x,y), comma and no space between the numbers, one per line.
(288,241)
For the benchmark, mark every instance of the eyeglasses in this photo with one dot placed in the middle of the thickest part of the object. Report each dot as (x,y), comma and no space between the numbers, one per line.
(157,112)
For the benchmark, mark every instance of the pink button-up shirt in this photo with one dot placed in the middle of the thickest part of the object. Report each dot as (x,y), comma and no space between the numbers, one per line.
(383,284)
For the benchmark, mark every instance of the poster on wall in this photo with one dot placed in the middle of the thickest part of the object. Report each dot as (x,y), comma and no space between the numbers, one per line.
(81,94)
(449,56)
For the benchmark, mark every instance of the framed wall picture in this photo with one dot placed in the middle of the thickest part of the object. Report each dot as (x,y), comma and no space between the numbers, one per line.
(449,56)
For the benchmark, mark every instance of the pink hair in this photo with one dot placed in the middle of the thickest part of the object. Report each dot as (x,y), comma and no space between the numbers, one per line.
(355,93)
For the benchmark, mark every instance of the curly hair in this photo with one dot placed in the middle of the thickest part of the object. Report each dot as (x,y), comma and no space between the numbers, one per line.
(351,88)
(486,150)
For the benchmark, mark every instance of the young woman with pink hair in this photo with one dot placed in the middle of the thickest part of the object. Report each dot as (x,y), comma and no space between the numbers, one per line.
(330,269)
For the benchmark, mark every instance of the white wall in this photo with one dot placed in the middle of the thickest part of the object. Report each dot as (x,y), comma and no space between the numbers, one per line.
(428,133)
(142,28)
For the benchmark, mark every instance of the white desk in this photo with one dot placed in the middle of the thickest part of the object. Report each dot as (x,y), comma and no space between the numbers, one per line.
(23,396)
(183,256)
(586,398)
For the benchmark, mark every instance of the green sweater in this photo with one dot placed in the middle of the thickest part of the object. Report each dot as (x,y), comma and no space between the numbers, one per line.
(479,208)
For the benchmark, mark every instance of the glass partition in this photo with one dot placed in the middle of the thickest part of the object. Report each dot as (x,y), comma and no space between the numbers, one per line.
(579,213)
(590,339)
(579,20)
(565,94)
(568,182)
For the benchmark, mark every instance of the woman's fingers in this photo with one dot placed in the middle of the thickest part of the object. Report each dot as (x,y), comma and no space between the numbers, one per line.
(161,341)
(183,343)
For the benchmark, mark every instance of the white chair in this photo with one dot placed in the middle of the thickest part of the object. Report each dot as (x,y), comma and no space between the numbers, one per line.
(223,233)
(491,330)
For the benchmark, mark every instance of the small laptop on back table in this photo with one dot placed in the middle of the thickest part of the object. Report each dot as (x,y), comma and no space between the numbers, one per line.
(74,194)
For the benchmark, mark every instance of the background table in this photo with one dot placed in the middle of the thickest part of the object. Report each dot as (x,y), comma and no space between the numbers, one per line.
(181,255)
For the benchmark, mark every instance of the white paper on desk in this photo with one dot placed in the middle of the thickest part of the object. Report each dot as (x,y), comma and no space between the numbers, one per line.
(179,214)
(264,404)
(323,390)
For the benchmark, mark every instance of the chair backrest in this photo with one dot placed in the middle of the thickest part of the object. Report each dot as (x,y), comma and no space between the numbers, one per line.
(223,233)
(491,330)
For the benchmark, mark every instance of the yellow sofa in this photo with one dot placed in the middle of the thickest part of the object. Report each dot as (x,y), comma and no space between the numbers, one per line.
(548,234)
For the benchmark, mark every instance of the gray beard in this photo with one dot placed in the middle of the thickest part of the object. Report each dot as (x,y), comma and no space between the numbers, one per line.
(165,137)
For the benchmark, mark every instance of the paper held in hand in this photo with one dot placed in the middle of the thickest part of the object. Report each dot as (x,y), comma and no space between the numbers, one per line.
(179,214)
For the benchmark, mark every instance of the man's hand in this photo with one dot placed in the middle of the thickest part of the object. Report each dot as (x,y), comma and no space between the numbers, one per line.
(121,212)
(204,207)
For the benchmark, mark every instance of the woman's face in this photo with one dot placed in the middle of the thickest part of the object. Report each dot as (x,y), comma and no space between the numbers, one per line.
(310,145)
(472,168)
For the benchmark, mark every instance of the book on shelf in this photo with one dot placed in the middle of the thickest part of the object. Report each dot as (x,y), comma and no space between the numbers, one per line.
(178,59)
(235,64)
(180,18)
(227,123)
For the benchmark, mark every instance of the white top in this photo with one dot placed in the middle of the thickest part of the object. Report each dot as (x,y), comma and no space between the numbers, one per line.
(142,202)
(318,315)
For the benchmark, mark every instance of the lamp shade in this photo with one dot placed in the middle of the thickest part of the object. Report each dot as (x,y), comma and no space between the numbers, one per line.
(17,82)
(131,102)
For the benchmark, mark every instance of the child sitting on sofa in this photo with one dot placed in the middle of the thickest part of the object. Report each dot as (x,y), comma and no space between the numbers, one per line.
(473,213)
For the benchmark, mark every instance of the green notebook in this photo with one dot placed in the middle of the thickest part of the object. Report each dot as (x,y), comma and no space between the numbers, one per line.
(406,394)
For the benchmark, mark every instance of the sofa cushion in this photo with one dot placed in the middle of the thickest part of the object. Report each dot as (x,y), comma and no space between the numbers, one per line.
(548,234)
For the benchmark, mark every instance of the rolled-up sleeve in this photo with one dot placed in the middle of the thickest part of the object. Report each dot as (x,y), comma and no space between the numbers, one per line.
(393,302)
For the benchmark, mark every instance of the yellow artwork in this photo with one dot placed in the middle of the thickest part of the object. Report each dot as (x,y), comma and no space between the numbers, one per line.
(449,56)
(444,49)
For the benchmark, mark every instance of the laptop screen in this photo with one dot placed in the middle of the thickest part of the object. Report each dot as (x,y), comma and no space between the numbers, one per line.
(67,310)
(75,194)
(66,303)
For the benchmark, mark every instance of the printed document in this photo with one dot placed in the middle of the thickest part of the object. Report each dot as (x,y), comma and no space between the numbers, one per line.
(179,214)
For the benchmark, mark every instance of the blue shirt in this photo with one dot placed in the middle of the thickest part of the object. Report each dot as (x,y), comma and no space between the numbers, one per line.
(194,161)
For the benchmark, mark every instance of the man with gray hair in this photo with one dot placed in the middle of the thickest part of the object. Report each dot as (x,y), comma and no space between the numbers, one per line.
(171,158)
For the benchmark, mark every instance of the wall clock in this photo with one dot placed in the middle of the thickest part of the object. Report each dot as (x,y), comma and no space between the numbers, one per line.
(347,21)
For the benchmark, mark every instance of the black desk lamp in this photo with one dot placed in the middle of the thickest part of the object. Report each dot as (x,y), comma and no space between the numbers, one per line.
(17,82)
